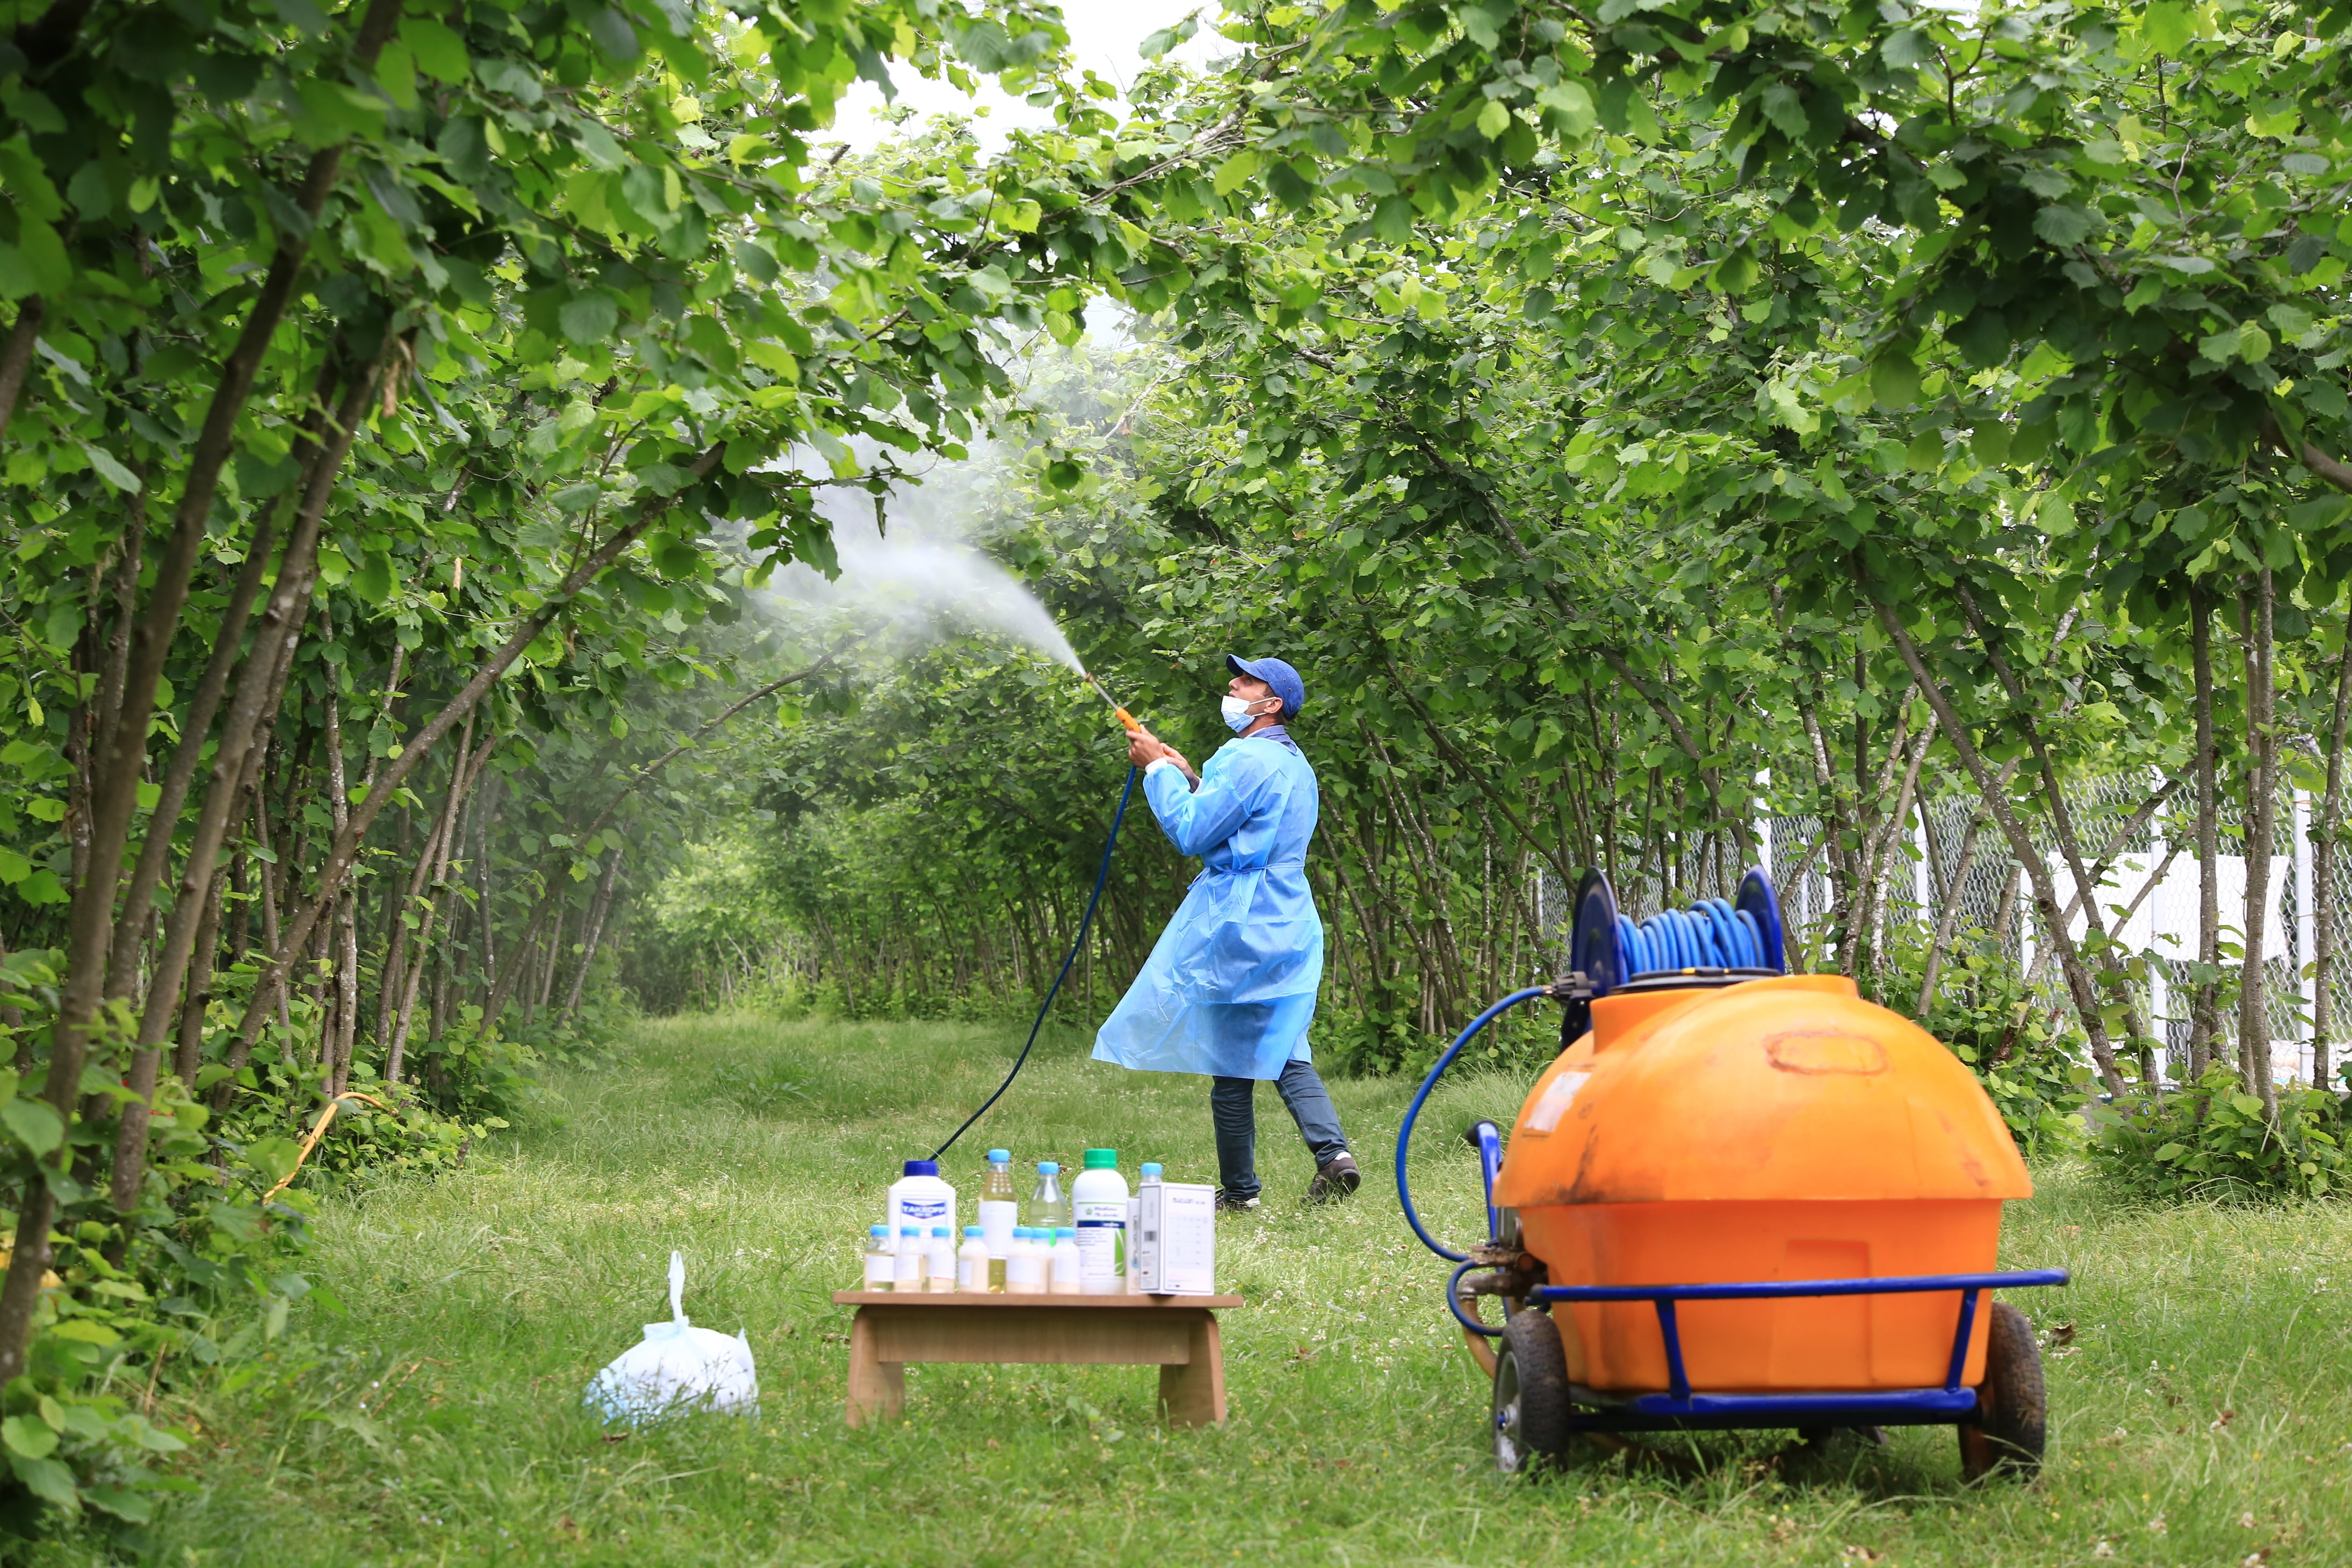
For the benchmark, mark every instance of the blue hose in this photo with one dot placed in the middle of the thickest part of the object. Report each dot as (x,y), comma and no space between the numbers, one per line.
(1453,1300)
(1404,1133)
(1709,934)
(1102,874)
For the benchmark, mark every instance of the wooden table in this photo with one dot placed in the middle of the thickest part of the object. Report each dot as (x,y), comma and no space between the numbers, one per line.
(1176,1334)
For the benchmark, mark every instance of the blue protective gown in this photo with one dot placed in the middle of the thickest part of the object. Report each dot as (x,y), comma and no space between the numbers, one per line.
(1229,987)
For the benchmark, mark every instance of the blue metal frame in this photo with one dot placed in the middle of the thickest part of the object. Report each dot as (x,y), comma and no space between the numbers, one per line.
(1680,1407)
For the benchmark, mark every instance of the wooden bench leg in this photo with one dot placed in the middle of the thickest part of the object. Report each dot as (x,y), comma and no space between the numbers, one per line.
(1194,1394)
(877,1387)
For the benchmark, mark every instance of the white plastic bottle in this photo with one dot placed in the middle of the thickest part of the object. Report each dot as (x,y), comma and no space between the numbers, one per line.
(920,1197)
(1098,1209)
(913,1255)
(881,1259)
(971,1262)
(940,1262)
(1000,1210)
(1049,1209)
(1024,1271)
(1066,1265)
(1134,1224)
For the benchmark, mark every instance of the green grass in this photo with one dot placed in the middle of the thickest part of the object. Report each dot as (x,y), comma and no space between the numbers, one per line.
(2208,1382)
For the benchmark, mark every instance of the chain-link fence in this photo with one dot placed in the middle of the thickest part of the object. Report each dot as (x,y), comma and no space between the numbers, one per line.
(2138,836)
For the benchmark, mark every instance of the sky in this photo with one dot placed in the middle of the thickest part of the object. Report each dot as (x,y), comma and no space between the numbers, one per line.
(1104,35)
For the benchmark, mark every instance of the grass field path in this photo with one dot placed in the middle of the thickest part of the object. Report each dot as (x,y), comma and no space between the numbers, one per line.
(2201,1379)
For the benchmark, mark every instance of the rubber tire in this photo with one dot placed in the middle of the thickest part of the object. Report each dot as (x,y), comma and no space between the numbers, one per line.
(1530,1408)
(2013,1406)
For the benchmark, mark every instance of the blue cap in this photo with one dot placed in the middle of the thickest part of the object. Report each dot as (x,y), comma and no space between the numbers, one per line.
(910,1230)
(1151,1167)
(941,1230)
(1277,674)
(1065,1233)
(923,1167)
(1000,1157)
(973,1233)
(1048,1167)
(879,1230)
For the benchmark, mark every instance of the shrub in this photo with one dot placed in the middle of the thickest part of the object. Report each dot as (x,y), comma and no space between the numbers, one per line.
(2213,1141)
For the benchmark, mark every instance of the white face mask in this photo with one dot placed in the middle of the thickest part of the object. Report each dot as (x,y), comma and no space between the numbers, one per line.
(1238,716)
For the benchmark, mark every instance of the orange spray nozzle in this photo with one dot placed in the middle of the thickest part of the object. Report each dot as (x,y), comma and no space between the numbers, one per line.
(1128,719)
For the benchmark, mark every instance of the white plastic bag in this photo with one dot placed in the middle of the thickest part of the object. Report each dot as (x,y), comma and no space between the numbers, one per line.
(678,1367)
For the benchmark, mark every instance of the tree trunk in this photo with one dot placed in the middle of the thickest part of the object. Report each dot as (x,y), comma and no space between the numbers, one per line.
(2205,1008)
(596,911)
(462,773)
(17,358)
(2078,979)
(2261,819)
(2331,809)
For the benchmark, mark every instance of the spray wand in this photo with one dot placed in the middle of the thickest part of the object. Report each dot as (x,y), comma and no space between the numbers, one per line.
(1117,712)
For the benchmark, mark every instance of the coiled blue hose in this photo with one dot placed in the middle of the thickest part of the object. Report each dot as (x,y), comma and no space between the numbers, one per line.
(1709,934)
(1413,1113)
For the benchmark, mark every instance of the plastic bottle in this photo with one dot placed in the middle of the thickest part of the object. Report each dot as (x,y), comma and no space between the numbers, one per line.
(1049,1209)
(1024,1271)
(1135,1223)
(939,1262)
(972,1262)
(920,1197)
(913,1256)
(1068,1279)
(881,1259)
(1098,1212)
(1000,1211)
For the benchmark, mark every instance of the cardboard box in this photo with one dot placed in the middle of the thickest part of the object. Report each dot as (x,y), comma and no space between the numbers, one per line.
(1176,1246)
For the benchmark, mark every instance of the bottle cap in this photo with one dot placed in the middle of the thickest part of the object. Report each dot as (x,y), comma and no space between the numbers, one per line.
(923,1167)
(941,1230)
(1102,1159)
(973,1233)
(1048,1167)
(910,1230)
(879,1230)
(1000,1157)
(1066,1232)
(1151,1167)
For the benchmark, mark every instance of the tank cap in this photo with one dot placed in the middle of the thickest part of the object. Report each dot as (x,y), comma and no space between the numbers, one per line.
(1000,1157)
(923,1167)
(1048,1167)
(1102,1159)
(1151,1167)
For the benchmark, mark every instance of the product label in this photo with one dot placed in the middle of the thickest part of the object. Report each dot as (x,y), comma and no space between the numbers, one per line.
(1025,1268)
(881,1272)
(997,1219)
(1102,1244)
(964,1281)
(924,1211)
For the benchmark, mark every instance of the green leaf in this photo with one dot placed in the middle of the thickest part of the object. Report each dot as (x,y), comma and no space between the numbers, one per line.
(2246,1104)
(1895,381)
(395,72)
(110,468)
(28,1435)
(439,53)
(2168,26)
(14,867)
(35,1123)
(2064,224)
(2171,1152)
(589,318)
(1494,119)
(47,1479)
(1235,172)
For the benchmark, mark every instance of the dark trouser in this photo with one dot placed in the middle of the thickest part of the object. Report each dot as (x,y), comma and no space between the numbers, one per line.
(1233,1109)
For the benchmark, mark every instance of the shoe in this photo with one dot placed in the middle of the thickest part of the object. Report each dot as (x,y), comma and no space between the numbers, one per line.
(1228,1204)
(1335,1179)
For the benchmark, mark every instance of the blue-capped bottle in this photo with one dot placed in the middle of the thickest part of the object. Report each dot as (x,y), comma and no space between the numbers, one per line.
(881,1259)
(1049,1209)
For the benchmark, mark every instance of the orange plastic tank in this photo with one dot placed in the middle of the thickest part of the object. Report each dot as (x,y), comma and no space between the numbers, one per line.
(1775,1129)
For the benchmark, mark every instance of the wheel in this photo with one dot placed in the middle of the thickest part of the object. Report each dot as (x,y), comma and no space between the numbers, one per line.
(2012,1409)
(1530,1394)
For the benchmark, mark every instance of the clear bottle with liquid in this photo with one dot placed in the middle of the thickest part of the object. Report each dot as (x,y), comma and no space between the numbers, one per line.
(1135,1226)
(881,1259)
(939,1262)
(1025,1269)
(1000,1211)
(1049,1209)
(973,1265)
(1068,1266)
(913,1254)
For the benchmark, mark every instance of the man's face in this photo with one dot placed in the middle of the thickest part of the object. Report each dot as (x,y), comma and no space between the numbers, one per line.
(1253,691)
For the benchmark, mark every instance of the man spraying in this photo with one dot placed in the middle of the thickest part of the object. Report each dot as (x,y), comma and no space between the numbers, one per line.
(1230,986)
